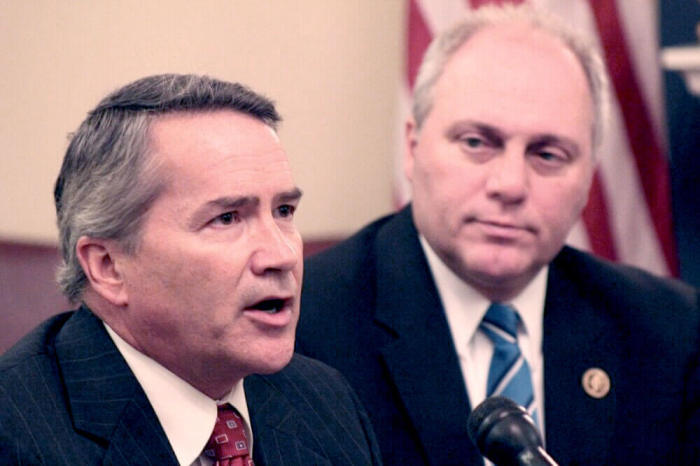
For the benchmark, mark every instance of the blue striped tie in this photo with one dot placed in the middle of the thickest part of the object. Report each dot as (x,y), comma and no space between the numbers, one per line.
(509,374)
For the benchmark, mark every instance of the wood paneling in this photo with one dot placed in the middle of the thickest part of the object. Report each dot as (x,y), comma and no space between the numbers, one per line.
(28,292)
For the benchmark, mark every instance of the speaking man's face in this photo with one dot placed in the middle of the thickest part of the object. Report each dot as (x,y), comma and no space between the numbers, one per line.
(213,288)
(502,165)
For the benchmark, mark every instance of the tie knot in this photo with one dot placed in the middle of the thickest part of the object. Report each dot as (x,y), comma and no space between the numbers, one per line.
(501,317)
(228,440)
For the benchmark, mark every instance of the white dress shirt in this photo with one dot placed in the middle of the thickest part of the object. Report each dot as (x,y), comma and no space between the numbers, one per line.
(465,308)
(186,414)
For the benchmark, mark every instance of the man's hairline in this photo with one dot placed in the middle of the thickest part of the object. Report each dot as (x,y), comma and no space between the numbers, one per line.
(418,125)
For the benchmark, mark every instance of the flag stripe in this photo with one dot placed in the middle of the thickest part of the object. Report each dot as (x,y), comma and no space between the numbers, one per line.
(595,217)
(419,38)
(652,166)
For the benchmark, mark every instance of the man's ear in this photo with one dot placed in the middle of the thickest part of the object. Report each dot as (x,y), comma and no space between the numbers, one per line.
(98,257)
(410,142)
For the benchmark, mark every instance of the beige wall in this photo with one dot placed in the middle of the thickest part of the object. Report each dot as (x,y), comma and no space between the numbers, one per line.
(332,66)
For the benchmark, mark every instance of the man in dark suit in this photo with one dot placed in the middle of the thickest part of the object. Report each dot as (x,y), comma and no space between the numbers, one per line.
(175,207)
(508,109)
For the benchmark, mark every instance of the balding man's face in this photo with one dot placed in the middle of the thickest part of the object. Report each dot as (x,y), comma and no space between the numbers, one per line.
(503,163)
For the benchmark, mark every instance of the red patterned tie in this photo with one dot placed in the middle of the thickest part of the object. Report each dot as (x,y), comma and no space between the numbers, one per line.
(228,445)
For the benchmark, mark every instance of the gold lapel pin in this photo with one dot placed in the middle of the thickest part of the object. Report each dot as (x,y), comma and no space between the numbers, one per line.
(596,382)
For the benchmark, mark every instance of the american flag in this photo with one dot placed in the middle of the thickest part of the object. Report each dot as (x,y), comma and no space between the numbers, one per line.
(628,216)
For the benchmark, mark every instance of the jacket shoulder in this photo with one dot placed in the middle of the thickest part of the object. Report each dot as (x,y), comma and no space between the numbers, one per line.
(31,388)
(354,250)
(596,274)
(37,343)
(664,310)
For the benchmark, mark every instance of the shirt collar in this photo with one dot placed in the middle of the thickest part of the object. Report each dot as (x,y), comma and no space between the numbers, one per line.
(460,301)
(186,414)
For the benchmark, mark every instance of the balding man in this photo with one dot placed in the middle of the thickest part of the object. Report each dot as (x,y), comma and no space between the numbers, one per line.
(469,292)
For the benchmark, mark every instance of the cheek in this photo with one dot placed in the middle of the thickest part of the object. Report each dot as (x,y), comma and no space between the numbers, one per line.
(299,271)
(177,272)
(174,273)
(579,193)
(447,184)
(562,207)
(297,243)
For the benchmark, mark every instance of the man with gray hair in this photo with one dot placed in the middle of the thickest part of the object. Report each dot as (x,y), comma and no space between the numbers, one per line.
(469,292)
(175,207)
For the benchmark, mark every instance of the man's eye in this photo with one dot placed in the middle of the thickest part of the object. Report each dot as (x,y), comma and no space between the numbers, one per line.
(227,218)
(286,210)
(473,142)
(550,160)
(554,156)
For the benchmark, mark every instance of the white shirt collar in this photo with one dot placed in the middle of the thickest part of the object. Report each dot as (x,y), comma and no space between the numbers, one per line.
(465,307)
(186,414)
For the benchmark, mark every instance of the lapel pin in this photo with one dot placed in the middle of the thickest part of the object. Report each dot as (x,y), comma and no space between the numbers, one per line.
(596,382)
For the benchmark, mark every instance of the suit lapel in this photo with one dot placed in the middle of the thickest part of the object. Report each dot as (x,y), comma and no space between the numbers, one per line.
(105,398)
(279,434)
(436,401)
(577,336)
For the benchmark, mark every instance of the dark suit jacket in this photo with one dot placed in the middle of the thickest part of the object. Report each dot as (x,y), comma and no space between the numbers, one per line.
(69,398)
(370,308)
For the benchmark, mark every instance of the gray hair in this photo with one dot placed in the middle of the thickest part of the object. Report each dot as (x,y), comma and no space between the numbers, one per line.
(108,181)
(446,44)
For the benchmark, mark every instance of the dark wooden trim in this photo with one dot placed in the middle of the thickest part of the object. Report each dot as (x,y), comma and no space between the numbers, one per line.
(28,292)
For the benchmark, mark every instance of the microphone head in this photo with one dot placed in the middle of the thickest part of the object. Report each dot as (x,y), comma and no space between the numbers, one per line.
(502,429)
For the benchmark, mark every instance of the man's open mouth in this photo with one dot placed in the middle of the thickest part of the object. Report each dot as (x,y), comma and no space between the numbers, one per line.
(271,306)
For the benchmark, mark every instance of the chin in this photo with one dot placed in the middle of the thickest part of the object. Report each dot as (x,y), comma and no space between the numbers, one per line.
(506,271)
(490,269)
(275,362)
(494,276)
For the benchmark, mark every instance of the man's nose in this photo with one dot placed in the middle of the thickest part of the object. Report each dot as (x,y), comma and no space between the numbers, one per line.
(508,176)
(276,248)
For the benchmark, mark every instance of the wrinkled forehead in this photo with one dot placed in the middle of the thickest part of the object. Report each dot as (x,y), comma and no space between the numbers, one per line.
(515,75)
(222,148)
(518,48)
(185,136)
(211,127)
(534,55)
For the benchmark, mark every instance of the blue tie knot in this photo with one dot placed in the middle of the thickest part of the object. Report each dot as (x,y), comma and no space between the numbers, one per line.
(503,317)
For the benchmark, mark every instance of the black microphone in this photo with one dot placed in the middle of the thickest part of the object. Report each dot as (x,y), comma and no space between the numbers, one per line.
(504,433)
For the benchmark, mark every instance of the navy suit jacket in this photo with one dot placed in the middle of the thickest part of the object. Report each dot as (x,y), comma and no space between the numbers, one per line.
(370,308)
(69,398)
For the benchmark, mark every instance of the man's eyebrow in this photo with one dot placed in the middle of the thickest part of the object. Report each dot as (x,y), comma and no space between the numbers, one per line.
(232,202)
(493,133)
(458,127)
(221,203)
(546,139)
(226,203)
(289,196)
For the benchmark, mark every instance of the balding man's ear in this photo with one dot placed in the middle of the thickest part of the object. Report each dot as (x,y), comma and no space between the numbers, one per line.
(98,258)
(410,142)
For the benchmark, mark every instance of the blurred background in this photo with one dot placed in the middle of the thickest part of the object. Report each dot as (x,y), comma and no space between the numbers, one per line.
(340,73)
